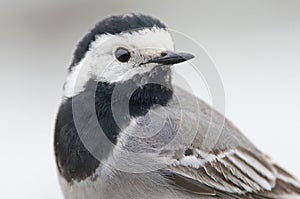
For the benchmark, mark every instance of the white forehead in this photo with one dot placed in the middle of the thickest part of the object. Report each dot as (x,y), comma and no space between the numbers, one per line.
(142,38)
(104,45)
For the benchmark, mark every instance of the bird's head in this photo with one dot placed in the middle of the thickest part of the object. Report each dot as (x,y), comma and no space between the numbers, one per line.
(122,48)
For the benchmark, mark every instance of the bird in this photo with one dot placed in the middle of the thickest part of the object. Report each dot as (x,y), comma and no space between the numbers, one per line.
(124,130)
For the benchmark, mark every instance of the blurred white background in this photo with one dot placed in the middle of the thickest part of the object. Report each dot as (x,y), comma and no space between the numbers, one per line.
(255,45)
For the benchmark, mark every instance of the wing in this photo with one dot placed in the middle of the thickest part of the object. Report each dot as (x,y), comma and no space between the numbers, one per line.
(237,173)
(232,168)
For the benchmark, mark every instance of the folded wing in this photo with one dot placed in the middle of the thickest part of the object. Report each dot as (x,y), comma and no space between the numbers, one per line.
(237,173)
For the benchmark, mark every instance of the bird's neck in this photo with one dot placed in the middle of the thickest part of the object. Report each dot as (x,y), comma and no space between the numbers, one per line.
(137,95)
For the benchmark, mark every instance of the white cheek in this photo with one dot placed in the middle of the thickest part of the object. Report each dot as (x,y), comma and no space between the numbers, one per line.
(92,65)
(76,80)
(100,65)
(103,69)
(129,74)
(113,72)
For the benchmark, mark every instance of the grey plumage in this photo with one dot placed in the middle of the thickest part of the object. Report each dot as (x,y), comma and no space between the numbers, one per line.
(228,173)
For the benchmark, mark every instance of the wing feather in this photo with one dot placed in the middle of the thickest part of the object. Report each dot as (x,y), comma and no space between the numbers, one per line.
(238,173)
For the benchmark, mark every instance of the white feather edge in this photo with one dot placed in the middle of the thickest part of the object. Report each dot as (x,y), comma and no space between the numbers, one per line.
(265,182)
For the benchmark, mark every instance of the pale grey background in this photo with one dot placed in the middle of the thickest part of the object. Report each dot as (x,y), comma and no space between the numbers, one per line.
(255,45)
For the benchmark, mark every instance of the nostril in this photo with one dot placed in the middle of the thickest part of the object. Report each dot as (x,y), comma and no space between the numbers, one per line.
(163,54)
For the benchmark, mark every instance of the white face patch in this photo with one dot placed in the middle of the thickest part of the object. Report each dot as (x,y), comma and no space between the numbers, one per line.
(100,63)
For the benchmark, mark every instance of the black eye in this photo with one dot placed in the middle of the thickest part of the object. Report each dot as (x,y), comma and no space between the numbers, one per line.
(122,54)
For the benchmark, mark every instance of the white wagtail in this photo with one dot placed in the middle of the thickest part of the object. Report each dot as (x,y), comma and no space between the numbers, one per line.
(140,146)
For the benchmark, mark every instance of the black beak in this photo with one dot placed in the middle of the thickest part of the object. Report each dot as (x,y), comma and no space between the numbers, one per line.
(169,58)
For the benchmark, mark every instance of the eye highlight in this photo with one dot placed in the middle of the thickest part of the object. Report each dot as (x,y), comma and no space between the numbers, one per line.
(122,54)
